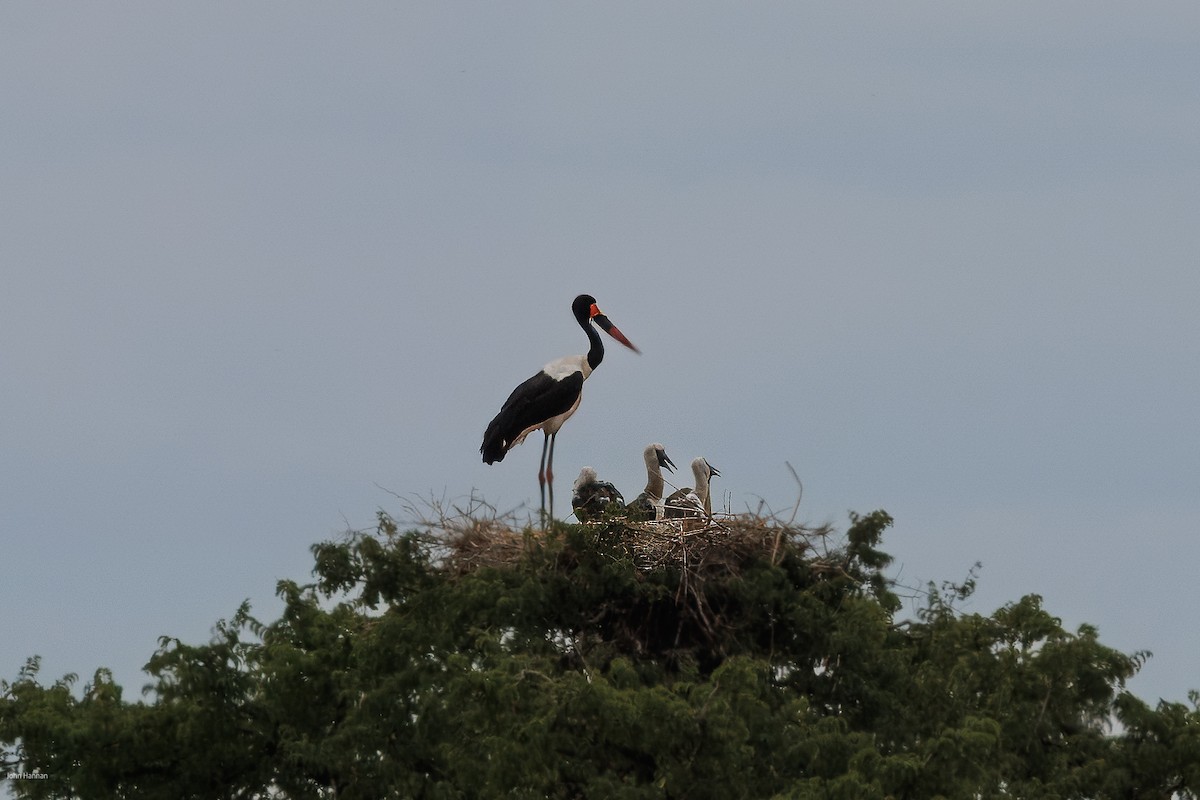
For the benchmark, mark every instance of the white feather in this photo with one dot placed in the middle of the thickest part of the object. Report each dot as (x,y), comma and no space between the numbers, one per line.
(565,367)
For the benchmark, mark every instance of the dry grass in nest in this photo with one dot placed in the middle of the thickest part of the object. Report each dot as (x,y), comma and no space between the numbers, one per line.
(703,553)
(463,537)
(721,543)
(475,535)
(484,543)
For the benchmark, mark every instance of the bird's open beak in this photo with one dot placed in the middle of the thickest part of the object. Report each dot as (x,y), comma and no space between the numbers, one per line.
(611,330)
(665,461)
(712,471)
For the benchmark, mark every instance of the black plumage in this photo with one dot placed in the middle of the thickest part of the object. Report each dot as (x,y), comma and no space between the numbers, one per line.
(593,498)
(550,397)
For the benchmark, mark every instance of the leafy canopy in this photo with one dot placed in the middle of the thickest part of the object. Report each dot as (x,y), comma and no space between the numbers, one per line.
(746,660)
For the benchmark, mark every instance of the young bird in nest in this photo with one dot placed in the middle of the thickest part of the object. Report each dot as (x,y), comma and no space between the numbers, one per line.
(691,502)
(593,498)
(647,505)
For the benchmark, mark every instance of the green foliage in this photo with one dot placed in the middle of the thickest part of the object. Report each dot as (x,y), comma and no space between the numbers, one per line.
(573,670)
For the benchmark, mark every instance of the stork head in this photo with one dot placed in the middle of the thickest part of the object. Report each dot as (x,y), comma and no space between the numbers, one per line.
(585,309)
(586,475)
(657,454)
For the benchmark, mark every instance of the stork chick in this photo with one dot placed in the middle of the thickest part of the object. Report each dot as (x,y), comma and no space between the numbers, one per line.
(592,498)
(691,502)
(648,504)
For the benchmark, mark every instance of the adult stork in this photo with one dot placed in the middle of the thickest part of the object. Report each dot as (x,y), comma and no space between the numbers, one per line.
(645,505)
(691,502)
(550,397)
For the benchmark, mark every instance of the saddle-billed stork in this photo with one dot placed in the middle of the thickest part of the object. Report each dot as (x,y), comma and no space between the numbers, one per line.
(550,397)
(592,498)
(645,506)
(691,502)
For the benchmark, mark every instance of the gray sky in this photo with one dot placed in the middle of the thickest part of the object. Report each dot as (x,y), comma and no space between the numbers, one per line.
(266,264)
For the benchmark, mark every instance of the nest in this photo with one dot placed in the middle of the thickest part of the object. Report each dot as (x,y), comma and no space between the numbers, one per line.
(698,559)
(477,536)
(722,543)
(483,543)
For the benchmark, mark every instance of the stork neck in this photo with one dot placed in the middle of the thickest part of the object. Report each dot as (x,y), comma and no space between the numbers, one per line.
(703,474)
(596,351)
(702,488)
(654,484)
(654,478)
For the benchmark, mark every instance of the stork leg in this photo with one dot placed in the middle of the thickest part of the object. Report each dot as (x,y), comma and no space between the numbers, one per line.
(550,471)
(542,473)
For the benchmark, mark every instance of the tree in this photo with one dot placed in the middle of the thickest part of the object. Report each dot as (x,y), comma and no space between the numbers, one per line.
(744,658)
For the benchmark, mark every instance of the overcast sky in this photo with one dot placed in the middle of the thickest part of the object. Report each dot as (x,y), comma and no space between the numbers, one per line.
(267,266)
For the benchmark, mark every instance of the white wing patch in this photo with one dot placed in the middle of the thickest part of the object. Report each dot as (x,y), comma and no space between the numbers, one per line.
(566,366)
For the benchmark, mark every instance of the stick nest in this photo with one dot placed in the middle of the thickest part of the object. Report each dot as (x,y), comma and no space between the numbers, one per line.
(696,561)
(477,536)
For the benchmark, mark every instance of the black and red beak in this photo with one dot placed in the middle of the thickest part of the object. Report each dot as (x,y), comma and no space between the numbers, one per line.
(610,329)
